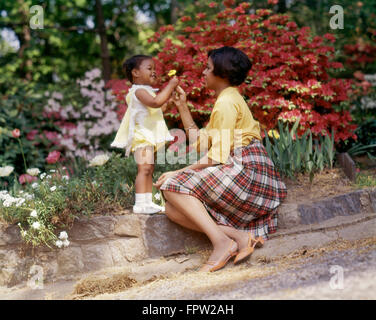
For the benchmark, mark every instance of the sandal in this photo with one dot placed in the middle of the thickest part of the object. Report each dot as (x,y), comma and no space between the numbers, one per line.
(212,266)
(248,250)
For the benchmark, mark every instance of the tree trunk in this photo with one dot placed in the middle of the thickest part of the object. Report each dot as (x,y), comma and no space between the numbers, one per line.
(24,38)
(282,6)
(105,55)
(174,11)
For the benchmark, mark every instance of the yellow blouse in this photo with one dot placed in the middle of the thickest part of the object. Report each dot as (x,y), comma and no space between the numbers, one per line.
(231,125)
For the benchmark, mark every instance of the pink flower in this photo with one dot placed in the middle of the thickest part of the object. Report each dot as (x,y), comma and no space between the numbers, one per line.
(26,178)
(16,133)
(359,75)
(31,135)
(53,157)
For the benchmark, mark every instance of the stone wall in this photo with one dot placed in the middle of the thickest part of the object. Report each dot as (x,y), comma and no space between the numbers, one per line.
(106,241)
(95,243)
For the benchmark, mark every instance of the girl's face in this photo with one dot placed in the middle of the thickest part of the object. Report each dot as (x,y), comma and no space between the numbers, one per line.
(145,74)
(210,78)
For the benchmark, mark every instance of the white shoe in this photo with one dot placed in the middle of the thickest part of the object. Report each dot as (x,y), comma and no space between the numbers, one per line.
(145,209)
(154,205)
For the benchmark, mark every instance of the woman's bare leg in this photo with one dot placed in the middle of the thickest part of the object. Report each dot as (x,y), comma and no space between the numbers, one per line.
(195,211)
(241,237)
(176,216)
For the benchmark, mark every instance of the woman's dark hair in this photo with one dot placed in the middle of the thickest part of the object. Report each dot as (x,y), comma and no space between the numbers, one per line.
(231,64)
(132,63)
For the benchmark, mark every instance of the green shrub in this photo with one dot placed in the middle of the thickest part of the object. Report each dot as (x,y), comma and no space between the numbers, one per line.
(58,200)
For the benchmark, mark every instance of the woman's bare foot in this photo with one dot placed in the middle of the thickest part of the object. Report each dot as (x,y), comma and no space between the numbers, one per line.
(222,252)
(241,237)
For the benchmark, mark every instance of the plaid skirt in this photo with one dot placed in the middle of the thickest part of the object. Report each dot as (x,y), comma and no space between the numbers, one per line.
(244,193)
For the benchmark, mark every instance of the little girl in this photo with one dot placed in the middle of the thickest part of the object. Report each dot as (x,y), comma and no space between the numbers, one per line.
(143,129)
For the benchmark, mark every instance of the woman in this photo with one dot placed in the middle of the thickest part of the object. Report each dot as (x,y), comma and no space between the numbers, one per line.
(232,192)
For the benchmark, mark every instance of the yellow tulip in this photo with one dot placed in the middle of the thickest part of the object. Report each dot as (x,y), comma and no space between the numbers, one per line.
(273,132)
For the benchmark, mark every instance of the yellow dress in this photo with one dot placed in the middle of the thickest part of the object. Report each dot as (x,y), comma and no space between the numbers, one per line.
(141,125)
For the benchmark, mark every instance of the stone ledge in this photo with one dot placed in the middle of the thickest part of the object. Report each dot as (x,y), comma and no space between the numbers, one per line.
(356,202)
(163,237)
(114,241)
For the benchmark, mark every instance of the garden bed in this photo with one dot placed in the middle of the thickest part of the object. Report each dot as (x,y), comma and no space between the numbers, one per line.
(329,182)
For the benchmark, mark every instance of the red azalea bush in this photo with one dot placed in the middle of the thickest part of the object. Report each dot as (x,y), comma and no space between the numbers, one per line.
(289,78)
(360,54)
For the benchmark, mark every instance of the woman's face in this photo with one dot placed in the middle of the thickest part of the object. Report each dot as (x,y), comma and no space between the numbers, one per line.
(145,74)
(208,74)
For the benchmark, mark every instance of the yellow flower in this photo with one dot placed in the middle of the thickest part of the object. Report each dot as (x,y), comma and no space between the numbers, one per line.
(273,132)
(171,73)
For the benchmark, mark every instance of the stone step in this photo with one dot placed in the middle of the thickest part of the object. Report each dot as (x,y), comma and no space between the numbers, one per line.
(109,241)
(356,202)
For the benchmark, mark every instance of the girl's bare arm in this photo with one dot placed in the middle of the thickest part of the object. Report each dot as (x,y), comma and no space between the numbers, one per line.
(161,98)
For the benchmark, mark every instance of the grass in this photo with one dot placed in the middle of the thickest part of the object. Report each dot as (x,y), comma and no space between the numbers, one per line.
(366,179)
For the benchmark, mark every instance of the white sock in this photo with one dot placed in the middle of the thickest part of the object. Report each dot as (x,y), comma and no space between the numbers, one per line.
(140,199)
(148,197)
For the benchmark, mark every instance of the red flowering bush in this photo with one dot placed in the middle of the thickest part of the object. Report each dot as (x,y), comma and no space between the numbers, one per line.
(360,54)
(289,79)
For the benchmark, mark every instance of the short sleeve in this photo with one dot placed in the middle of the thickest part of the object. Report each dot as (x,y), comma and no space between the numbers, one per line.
(221,130)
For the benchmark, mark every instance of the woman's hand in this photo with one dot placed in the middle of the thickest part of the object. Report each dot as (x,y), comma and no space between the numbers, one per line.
(168,105)
(163,178)
(179,96)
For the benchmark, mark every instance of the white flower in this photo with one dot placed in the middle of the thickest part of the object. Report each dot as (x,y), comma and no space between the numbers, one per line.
(20,201)
(35,185)
(63,235)
(99,160)
(34,214)
(36,225)
(7,203)
(48,177)
(65,177)
(157,196)
(52,170)
(66,243)
(53,188)
(24,233)
(59,243)
(6,171)
(29,196)
(33,171)
(43,175)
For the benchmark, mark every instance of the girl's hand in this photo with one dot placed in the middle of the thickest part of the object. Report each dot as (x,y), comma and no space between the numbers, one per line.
(163,178)
(174,81)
